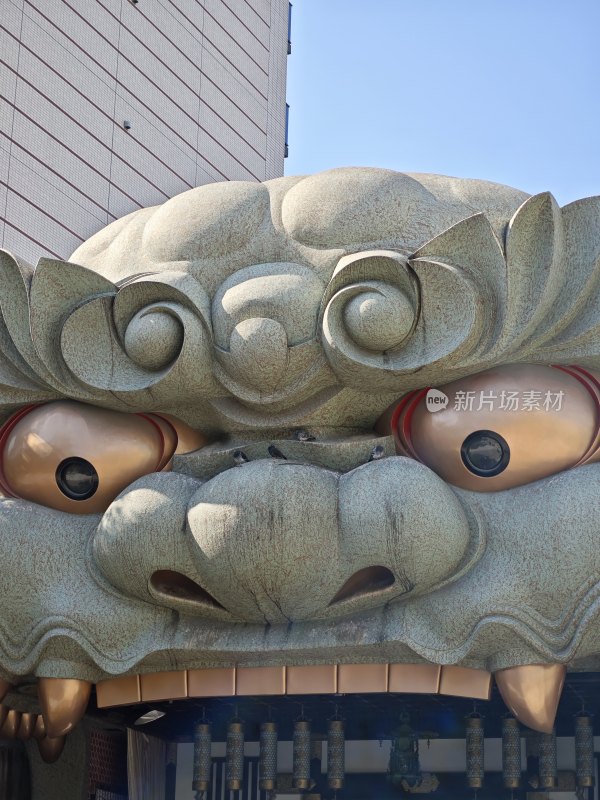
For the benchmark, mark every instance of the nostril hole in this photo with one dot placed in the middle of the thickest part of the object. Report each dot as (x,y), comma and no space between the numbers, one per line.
(365,581)
(174,584)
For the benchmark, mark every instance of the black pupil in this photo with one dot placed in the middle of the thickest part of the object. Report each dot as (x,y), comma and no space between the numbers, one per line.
(77,478)
(485,453)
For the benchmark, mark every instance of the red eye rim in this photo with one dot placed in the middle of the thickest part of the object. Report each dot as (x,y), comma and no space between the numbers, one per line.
(5,432)
(592,384)
(162,438)
(12,421)
(402,418)
(584,377)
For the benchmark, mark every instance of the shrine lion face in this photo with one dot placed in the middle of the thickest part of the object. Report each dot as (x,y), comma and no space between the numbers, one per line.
(328,421)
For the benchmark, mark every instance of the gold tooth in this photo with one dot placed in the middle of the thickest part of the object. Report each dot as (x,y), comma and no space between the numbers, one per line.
(212,682)
(532,693)
(123,691)
(260,681)
(320,679)
(11,724)
(467,682)
(170,685)
(63,702)
(355,678)
(39,731)
(414,678)
(50,748)
(326,679)
(27,726)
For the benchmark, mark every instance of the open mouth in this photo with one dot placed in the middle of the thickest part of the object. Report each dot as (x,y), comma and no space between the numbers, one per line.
(63,702)
(173,701)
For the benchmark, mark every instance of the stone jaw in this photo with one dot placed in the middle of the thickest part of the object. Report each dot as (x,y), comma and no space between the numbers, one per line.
(481,624)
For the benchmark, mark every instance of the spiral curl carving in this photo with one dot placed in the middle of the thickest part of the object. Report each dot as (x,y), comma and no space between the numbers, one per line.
(151,334)
(370,309)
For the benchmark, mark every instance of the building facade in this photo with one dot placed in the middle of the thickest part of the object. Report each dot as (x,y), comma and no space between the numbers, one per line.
(109,106)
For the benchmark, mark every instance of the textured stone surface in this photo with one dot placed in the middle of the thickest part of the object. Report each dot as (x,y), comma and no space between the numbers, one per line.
(251,311)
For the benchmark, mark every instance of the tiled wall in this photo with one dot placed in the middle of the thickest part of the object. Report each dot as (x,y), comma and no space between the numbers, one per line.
(202,83)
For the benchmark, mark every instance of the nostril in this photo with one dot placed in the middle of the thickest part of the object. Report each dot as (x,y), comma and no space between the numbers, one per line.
(365,581)
(174,584)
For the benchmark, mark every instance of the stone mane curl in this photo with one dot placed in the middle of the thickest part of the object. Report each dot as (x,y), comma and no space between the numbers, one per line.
(303,299)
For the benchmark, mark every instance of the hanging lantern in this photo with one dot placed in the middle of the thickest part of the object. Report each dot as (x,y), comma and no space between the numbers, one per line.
(336,746)
(301,754)
(202,762)
(234,756)
(268,756)
(547,760)
(584,751)
(475,751)
(511,753)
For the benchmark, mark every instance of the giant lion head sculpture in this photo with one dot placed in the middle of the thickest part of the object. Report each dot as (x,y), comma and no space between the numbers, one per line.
(340,420)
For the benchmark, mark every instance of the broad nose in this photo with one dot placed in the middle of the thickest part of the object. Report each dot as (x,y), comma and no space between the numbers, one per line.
(274,542)
(280,542)
(268,547)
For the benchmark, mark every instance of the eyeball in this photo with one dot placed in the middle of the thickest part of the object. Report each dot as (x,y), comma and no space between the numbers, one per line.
(485,453)
(77,458)
(77,478)
(504,427)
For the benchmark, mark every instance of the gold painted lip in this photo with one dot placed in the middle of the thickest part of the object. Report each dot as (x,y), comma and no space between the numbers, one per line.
(295,680)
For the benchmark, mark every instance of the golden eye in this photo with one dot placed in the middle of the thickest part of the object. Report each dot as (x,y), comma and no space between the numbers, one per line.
(77,458)
(504,427)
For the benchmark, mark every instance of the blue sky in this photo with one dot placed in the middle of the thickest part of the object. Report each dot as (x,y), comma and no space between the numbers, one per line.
(506,90)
